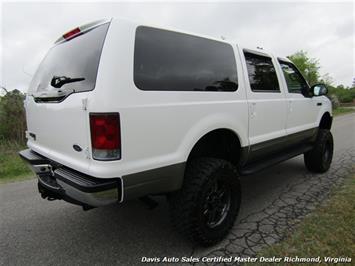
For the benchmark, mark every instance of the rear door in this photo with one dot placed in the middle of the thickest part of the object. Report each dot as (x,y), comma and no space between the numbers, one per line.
(57,120)
(267,104)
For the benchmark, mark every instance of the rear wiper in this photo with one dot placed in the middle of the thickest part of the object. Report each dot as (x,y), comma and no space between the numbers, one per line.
(58,82)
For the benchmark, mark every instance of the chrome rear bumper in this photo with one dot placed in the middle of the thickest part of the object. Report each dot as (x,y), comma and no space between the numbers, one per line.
(59,182)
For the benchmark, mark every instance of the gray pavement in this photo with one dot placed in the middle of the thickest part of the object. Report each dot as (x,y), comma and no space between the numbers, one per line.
(38,232)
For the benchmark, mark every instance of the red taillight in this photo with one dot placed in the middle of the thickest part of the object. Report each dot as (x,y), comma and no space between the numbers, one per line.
(71,34)
(105,136)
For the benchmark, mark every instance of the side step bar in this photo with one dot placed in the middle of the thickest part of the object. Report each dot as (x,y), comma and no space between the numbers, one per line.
(274,159)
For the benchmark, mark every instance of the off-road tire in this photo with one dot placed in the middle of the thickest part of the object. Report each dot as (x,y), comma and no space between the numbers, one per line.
(318,159)
(187,204)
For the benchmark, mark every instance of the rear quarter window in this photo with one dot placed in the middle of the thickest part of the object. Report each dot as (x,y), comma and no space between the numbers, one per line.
(171,61)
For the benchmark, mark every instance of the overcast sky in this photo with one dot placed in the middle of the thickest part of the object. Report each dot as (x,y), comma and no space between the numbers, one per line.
(324,30)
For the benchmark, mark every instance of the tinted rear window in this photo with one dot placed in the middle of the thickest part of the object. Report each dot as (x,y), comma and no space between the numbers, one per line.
(76,58)
(171,61)
(262,73)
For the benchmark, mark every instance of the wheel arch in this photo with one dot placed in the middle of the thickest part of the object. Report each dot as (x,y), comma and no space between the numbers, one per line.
(222,143)
(326,121)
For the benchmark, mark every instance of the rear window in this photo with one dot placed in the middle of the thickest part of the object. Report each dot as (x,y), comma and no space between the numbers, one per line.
(262,73)
(171,61)
(75,58)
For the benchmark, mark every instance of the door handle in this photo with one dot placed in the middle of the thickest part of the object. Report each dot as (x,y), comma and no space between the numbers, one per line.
(290,106)
(319,104)
(252,110)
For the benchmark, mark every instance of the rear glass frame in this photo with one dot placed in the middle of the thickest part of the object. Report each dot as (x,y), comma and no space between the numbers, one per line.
(228,84)
(41,81)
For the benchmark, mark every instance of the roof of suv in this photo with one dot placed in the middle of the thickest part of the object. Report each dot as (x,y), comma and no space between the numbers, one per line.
(91,25)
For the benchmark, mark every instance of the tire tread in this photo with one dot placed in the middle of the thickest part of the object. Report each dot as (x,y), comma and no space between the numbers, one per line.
(184,202)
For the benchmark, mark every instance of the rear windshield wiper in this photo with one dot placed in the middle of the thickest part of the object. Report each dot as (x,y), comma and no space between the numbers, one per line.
(58,82)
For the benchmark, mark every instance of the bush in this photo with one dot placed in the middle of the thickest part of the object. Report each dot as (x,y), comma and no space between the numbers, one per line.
(344,95)
(345,98)
(335,101)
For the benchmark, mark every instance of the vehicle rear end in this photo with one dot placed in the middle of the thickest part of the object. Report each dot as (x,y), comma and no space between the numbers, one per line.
(63,137)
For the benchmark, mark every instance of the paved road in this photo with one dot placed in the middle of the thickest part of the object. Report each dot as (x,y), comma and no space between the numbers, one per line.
(38,232)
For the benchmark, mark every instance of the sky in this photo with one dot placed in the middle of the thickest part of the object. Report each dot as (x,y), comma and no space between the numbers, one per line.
(324,29)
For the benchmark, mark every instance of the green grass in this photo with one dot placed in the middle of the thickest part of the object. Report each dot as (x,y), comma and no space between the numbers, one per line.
(12,168)
(342,110)
(329,231)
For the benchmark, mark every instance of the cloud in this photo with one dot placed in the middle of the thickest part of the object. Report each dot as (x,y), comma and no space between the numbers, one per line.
(325,30)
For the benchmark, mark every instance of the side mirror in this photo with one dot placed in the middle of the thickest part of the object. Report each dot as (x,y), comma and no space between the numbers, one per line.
(319,90)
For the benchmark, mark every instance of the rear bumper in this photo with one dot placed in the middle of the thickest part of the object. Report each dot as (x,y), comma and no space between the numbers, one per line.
(59,182)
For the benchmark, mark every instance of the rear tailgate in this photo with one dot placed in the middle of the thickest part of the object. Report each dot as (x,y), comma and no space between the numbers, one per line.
(57,120)
(54,130)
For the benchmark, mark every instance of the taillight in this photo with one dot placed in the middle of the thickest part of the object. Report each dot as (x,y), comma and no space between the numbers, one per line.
(71,34)
(105,136)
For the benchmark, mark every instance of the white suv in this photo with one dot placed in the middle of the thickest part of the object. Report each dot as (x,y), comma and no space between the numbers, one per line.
(119,110)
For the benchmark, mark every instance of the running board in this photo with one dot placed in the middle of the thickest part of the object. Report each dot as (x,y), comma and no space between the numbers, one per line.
(274,159)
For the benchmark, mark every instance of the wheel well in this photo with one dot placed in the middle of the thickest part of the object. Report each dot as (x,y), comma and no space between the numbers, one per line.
(220,143)
(326,121)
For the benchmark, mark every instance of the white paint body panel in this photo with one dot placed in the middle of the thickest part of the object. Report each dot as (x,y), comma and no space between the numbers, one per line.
(267,110)
(58,126)
(157,128)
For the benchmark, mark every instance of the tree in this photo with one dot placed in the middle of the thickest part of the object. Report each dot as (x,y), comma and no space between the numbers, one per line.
(12,116)
(309,67)
(327,80)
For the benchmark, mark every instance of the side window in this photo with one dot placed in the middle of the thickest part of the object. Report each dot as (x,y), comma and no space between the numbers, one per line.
(171,61)
(294,80)
(262,73)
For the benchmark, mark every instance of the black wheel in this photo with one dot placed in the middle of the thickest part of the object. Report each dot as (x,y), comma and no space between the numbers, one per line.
(206,207)
(318,159)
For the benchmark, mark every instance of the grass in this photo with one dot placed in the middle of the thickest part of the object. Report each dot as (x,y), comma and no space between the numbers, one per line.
(12,168)
(327,232)
(342,110)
